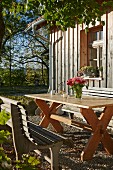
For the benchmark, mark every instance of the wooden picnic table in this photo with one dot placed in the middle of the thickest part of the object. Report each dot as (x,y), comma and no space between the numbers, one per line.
(86,105)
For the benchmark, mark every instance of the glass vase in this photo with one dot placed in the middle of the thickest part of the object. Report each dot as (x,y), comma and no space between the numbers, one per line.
(78,93)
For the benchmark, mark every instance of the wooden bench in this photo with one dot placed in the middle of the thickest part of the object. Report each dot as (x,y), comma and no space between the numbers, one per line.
(28,136)
(91,91)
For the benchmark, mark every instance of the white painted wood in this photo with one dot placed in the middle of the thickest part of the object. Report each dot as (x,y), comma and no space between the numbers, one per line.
(104,58)
(59,57)
(78,29)
(56,61)
(75,51)
(50,62)
(96,83)
(67,58)
(63,61)
(67,55)
(110,49)
(71,58)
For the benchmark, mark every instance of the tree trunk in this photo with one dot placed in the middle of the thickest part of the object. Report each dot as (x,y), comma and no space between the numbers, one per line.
(2,29)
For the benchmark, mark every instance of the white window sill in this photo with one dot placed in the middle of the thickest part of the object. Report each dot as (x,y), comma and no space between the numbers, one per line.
(93,78)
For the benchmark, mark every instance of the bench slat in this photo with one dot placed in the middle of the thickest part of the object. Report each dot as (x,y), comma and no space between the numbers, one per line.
(6,107)
(9,101)
(53,136)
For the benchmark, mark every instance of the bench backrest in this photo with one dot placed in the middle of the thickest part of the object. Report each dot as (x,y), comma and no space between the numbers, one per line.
(21,126)
(28,136)
(100,92)
(96,91)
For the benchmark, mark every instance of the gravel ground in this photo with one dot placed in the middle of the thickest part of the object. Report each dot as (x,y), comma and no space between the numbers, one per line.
(70,157)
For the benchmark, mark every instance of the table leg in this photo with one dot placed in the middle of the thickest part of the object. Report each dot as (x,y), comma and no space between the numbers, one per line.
(107,141)
(47,111)
(100,134)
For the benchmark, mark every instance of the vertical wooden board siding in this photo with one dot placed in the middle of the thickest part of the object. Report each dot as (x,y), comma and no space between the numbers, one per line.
(79,28)
(69,63)
(53,62)
(66,57)
(104,55)
(59,68)
(91,83)
(96,83)
(56,63)
(83,48)
(63,61)
(110,49)
(50,61)
(75,50)
(65,80)
(71,53)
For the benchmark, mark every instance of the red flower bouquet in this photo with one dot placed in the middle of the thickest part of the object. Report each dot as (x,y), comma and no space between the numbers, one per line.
(77,83)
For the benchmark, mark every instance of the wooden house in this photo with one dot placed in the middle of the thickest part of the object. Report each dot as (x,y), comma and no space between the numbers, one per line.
(72,49)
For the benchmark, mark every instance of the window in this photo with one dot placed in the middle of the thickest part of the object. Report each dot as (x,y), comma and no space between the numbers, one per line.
(95,47)
(91,47)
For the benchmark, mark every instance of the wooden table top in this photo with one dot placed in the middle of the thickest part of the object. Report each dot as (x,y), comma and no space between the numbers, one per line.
(85,102)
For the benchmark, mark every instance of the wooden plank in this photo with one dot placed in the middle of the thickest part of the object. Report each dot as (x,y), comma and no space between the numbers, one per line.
(76,114)
(71,122)
(63,62)
(59,58)
(75,50)
(56,61)
(67,58)
(91,83)
(86,102)
(105,52)
(71,54)
(110,49)
(8,101)
(78,47)
(83,48)
(50,61)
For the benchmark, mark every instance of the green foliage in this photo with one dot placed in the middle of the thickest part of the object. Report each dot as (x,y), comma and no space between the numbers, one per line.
(5,161)
(4,117)
(27,163)
(4,136)
(21,78)
(66,13)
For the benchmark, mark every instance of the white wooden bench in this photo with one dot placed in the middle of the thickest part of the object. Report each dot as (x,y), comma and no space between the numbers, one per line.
(28,136)
(91,91)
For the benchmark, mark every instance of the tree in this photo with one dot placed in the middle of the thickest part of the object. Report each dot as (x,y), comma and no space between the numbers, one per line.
(65,13)
(14,16)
